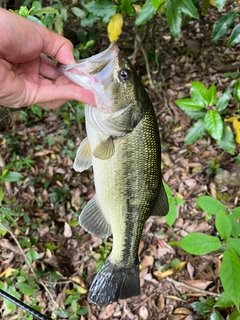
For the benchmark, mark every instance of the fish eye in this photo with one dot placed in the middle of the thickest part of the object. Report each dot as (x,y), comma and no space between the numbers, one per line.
(124,74)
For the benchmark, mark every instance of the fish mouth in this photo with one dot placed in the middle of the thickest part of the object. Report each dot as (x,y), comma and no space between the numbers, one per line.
(98,68)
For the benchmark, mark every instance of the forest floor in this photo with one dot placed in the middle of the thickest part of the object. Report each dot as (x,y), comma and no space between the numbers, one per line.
(50,196)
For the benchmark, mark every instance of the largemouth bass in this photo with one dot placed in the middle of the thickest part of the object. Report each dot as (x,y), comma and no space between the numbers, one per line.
(123,146)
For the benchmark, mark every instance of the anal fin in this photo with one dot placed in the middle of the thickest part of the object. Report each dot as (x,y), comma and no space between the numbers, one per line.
(93,220)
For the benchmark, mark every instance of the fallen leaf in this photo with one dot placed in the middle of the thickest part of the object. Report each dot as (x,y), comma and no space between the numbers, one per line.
(114,27)
(67,230)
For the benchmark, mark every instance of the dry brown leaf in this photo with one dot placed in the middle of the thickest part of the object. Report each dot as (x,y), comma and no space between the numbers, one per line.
(147,261)
(184,311)
(108,311)
(143,313)
(67,230)
(161,275)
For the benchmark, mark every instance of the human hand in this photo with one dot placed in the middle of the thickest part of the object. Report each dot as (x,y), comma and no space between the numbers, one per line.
(27,75)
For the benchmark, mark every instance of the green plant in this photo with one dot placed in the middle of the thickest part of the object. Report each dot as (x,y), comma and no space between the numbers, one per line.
(174,202)
(228,243)
(6,177)
(207,109)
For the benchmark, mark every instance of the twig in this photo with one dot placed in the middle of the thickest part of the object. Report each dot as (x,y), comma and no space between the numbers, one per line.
(29,264)
(187,286)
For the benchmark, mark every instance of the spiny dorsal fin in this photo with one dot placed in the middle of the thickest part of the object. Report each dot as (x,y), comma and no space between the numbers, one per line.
(83,158)
(161,207)
(105,150)
(93,220)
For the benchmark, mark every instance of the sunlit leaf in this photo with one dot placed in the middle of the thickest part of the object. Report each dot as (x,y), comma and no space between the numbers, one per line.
(227,140)
(223,101)
(222,25)
(223,226)
(216,315)
(173,15)
(126,7)
(199,243)
(114,27)
(236,212)
(230,275)
(235,36)
(157,3)
(223,301)
(235,231)
(199,92)
(187,7)
(220,4)
(172,213)
(11,177)
(234,244)
(236,91)
(214,125)
(211,205)
(146,13)
(26,289)
(78,12)
(196,132)
(190,104)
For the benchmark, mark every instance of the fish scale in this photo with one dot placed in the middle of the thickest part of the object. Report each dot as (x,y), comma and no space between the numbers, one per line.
(123,146)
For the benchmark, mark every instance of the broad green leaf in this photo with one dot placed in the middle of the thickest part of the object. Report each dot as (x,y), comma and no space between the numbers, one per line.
(45,10)
(223,225)
(179,200)
(235,226)
(201,307)
(220,4)
(234,244)
(235,316)
(223,101)
(216,315)
(11,176)
(236,92)
(212,95)
(126,7)
(78,12)
(167,189)
(230,275)
(199,93)
(189,104)
(172,213)
(223,301)
(173,15)
(188,8)
(104,9)
(199,243)
(214,124)
(196,115)
(196,132)
(235,36)
(36,110)
(236,212)
(222,25)
(26,289)
(146,13)
(32,255)
(237,160)
(3,230)
(210,205)
(157,3)
(227,141)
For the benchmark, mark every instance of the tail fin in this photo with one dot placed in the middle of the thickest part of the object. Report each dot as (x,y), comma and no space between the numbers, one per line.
(113,282)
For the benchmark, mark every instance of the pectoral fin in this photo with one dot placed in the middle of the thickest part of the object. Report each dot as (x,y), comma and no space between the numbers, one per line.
(83,158)
(93,220)
(161,206)
(105,149)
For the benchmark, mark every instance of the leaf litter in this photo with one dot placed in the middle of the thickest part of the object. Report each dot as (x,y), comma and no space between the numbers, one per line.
(52,195)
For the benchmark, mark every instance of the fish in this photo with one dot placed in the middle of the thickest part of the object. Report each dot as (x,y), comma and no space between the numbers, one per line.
(123,146)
